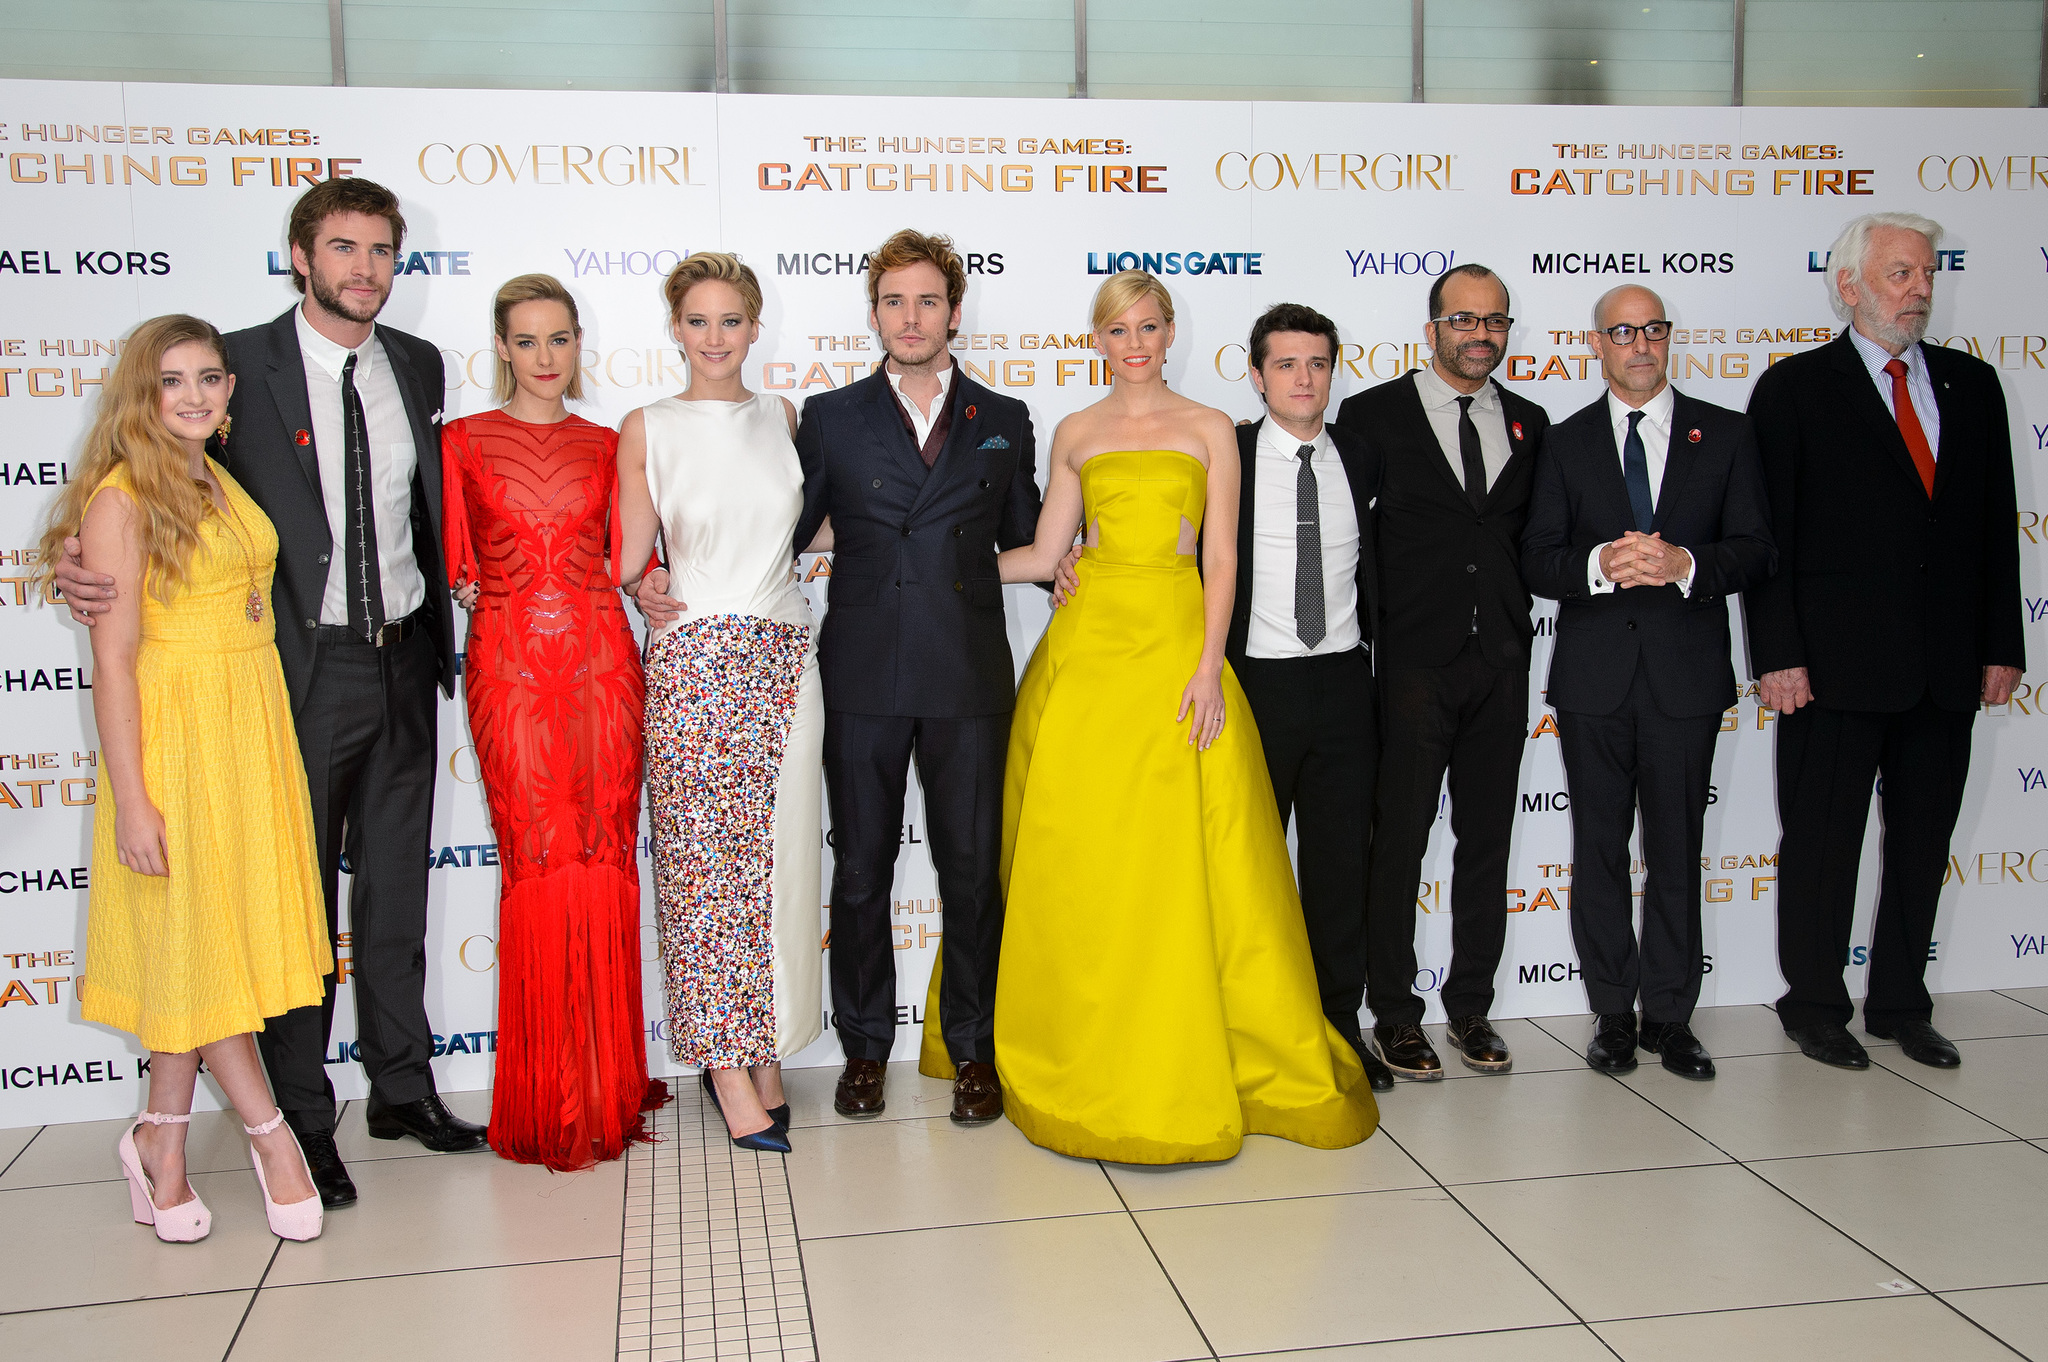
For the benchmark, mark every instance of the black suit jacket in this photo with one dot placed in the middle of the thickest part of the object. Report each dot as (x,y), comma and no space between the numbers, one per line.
(1438,561)
(1711,503)
(1361,472)
(916,622)
(1882,593)
(283,477)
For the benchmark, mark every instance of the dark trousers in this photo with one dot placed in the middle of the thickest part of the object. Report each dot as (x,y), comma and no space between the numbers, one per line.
(1638,755)
(1469,719)
(1317,723)
(1827,761)
(366,731)
(960,767)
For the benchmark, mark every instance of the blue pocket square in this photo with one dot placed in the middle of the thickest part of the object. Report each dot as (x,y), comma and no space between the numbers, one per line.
(994,442)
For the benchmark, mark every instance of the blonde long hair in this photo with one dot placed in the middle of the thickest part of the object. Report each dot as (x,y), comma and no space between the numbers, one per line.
(129,431)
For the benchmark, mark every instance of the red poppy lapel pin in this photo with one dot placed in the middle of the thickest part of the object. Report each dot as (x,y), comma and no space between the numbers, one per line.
(970,411)
(1517,428)
(1693,435)
(302,437)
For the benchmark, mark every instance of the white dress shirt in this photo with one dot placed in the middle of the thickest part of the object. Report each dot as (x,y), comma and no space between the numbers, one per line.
(1919,385)
(392,461)
(920,422)
(1440,404)
(1276,471)
(1655,432)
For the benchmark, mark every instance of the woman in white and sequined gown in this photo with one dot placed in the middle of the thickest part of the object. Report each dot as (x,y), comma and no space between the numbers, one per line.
(735,721)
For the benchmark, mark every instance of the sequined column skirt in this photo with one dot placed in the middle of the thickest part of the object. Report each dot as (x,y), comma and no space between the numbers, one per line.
(735,728)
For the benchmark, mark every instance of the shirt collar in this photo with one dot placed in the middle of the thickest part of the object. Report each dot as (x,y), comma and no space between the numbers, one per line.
(1435,393)
(1875,356)
(1656,412)
(1275,440)
(945,382)
(319,350)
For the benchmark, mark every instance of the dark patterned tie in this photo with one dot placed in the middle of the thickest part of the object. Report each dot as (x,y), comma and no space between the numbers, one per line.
(1309,623)
(1469,454)
(1635,471)
(359,549)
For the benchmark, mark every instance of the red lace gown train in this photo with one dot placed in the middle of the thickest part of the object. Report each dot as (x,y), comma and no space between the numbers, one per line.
(553,682)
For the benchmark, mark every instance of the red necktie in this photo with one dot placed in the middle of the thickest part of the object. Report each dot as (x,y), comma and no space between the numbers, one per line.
(1909,424)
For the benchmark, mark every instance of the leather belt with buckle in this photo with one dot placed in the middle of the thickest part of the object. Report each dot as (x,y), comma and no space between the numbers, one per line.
(390,632)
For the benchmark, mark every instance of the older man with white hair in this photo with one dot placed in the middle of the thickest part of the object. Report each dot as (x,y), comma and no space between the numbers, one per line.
(1894,613)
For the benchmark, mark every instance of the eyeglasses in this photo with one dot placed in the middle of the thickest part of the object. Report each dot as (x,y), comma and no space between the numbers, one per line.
(1626,334)
(1470,321)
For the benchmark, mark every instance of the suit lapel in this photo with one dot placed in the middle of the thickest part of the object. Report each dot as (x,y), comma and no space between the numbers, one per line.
(1422,435)
(1859,397)
(1608,478)
(885,422)
(1518,444)
(287,379)
(1247,502)
(426,448)
(1679,458)
(963,429)
(1951,414)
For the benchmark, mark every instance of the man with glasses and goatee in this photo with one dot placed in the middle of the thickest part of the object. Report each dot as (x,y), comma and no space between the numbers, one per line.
(1457,454)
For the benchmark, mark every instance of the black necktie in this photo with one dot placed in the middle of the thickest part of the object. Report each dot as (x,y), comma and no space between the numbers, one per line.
(1309,623)
(359,549)
(1468,452)
(1635,471)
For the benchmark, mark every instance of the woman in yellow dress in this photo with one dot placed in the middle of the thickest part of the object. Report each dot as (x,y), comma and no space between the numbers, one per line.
(1156,1001)
(206,914)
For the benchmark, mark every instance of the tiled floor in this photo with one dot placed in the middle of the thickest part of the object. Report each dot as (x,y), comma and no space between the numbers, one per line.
(1785,1211)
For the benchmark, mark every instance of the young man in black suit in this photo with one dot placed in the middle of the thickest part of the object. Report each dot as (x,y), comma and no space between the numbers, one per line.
(1894,614)
(1647,514)
(1301,637)
(926,474)
(1456,454)
(339,441)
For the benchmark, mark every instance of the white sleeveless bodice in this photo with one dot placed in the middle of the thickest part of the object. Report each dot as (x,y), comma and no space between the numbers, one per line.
(728,488)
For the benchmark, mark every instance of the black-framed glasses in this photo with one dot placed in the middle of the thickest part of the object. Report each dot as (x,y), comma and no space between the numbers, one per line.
(1625,334)
(1498,322)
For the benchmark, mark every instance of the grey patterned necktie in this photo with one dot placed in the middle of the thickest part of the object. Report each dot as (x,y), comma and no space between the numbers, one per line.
(365,571)
(1309,623)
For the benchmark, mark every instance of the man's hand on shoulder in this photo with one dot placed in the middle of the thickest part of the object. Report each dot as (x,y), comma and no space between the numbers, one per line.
(87,593)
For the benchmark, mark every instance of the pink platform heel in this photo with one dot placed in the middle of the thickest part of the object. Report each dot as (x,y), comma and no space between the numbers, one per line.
(300,1220)
(187,1223)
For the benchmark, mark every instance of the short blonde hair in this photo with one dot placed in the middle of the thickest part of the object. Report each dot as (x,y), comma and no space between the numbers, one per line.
(532,288)
(701,267)
(1123,291)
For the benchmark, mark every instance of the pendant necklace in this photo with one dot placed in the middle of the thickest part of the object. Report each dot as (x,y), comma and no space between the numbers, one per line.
(252,608)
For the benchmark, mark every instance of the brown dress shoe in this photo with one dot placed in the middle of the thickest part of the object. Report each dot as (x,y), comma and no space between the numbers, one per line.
(1479,1045)
(1408,1052)
(977,1094)
(860,1088)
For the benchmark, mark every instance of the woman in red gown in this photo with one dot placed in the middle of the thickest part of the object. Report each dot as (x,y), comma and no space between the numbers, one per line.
(554,688)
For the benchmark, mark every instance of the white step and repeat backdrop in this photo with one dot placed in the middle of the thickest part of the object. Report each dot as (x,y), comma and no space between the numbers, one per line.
(125,201)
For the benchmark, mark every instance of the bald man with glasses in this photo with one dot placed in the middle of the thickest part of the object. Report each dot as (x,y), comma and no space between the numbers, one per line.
(1457,454)
(1649,511)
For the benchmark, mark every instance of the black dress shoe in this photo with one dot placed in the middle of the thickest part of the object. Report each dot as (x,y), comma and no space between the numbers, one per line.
(323,1161)
(1679,1048)
(1613,1050)
(1919,1042)
(1479,1045)
(427,1120)
(859,1090)
(1408,1052)
(1377,1074)
(1830,1043)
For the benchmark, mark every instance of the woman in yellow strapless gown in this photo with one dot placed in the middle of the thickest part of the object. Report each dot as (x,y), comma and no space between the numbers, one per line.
(1156,1000)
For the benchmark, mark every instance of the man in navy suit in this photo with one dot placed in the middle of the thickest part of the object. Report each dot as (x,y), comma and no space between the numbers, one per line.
(925,474)
(1647,514)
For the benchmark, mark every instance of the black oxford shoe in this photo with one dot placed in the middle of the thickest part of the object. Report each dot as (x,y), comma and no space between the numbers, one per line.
(1479,1045)
(1919,1042)
(1679,1048)
(1613,1050)
(1377,1074)
(1408,1052)
(1830,1043)
(323,1161)
(427,1120)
